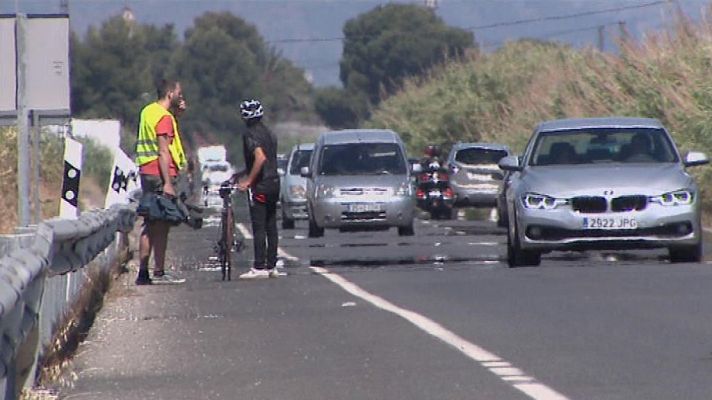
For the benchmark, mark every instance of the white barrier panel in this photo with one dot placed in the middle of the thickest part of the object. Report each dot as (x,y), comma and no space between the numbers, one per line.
(123,180)
(69,205)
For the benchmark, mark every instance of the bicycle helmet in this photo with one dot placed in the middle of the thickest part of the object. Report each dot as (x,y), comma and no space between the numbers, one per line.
(251,109)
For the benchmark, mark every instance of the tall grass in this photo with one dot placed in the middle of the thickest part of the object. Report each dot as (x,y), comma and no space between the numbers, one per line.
(500,97)
(96,168)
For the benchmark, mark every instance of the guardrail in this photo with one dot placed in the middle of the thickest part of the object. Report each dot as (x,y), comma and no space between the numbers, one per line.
(41,273)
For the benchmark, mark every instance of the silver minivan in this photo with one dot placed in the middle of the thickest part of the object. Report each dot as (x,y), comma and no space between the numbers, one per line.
(359,179)
(293,186)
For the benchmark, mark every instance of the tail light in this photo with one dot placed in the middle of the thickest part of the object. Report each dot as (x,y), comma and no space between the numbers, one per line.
(420,194)
(442,176)
(424,177)
(448,193)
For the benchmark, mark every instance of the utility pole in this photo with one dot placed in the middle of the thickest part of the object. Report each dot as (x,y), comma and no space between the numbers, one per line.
(23,131)
(64,6)
(623,30)
(601,38)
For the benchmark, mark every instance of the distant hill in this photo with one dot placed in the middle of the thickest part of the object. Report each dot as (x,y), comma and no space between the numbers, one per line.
(285,19)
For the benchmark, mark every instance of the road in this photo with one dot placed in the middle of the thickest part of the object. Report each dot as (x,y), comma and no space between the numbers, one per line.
(436,316)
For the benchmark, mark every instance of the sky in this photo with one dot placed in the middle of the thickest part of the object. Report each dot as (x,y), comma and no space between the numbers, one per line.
(570,21)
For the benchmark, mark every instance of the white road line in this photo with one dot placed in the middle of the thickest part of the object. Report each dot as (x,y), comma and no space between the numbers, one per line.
(248,236)
(528,386)
(285,255)
(244,231)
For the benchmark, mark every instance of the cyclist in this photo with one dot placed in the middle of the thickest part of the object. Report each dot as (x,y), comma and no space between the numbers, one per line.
(262,180)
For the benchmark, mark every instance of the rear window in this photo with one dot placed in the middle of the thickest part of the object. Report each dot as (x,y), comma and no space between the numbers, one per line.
(478,156)
(299,159)
(362,159)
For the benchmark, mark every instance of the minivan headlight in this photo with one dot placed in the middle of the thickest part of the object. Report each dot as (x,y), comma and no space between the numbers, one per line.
(404,190)
(541,202)
(327,191)
(677,198)
(297,191)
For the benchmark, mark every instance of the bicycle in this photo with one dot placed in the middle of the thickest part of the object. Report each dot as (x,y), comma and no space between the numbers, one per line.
(227,241)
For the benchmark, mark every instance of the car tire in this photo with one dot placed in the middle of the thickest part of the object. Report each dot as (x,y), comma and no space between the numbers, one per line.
(516,257)
(314,230)
(686,254)
(406,230)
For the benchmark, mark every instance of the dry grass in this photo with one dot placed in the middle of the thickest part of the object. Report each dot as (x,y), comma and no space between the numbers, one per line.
(500,97)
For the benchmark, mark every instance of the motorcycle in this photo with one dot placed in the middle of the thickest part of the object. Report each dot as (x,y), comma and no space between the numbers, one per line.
(433,192)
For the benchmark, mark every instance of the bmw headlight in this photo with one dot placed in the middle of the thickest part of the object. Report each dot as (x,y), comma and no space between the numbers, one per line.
(676,198)
(297,191)
(542,202)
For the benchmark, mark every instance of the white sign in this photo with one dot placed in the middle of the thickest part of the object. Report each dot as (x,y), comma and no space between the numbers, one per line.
(47,62)
(8,65)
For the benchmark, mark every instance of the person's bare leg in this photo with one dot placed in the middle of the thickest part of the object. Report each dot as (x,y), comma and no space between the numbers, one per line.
(144,253)
(160,244)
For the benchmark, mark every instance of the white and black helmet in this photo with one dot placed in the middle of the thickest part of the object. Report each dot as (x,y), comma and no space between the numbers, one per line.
(250,109)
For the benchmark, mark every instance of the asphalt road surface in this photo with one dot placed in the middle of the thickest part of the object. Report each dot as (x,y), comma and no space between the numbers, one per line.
(372,315)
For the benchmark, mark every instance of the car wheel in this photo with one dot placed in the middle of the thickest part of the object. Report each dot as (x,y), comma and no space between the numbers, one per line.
(406,230)
(686,254)
(314,230)
(516,257)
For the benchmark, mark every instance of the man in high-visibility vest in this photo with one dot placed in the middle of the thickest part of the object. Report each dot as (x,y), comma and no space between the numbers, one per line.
(160,157)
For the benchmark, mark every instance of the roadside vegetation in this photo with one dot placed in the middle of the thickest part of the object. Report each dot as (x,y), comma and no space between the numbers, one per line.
(500,97)
(96,169)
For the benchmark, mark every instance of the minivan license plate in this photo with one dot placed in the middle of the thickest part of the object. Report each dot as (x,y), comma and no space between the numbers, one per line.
(362,208)
(612,222)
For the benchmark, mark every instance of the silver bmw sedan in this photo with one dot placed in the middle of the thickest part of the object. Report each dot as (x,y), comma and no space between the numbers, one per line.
(602,184)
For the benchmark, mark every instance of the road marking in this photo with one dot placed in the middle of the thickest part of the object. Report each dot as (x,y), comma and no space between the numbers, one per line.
(244,231)
(523,383)
(248,236)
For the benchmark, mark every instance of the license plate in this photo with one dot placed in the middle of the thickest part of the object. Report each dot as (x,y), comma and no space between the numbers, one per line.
(610,222)
(434,193)
(361,208)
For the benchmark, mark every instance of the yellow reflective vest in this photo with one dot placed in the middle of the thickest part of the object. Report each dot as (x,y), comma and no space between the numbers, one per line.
(147,144)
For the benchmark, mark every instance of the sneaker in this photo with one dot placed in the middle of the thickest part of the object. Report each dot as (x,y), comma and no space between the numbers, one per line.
(166,279)
(143,280)
(255,273)
(275,273)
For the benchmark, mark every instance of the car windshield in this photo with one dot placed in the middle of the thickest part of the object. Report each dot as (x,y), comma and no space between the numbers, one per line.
(362,159)
(300,159)
(603,145)
(479,156)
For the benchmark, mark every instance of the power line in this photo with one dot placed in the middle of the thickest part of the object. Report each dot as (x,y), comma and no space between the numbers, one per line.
(489,26)
(567,16)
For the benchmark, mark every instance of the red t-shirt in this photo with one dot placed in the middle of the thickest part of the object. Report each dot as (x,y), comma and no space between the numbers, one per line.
(164,127)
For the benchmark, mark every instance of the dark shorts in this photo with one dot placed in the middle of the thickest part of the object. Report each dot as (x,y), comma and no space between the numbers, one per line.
(152,184)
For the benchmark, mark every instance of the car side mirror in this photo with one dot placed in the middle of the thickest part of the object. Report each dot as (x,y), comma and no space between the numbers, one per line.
(305,172)
(510,163)
(695,158)
(416,168)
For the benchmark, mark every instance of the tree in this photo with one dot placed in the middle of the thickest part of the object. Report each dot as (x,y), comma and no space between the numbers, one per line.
(113,69)
(340,108)
(225,60)
(386,45)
